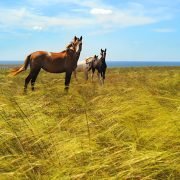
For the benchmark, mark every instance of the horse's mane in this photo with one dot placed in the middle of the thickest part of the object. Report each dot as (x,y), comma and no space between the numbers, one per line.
(89,59)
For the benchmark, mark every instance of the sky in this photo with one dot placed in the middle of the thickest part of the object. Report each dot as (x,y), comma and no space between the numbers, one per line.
(147,30)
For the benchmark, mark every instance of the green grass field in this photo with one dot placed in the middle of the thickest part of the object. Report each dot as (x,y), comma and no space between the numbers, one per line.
(127,129)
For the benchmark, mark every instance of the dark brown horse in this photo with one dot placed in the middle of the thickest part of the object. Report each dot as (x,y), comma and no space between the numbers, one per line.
(65,61)
(100,65)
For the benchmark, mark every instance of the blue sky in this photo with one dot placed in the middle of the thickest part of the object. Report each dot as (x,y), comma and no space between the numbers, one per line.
(129,29)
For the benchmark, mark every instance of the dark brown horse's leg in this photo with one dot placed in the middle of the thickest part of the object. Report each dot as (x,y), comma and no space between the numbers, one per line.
(86,74)
(28,78)
(102,77)
(99,77)
(104,72)
(75,74)
(67,80)
(34,77)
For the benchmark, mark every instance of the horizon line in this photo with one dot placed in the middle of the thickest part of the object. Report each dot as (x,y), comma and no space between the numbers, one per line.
(122,60)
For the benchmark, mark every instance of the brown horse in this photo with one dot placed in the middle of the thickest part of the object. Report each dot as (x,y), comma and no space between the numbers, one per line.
(65,61)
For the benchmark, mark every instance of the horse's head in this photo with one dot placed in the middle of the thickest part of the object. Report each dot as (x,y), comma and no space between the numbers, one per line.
(90,62)
(103,54)
(95,58)
(94,61)
(75,45)
(78,44)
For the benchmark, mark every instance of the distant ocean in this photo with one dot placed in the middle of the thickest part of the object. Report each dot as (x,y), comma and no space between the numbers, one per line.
(117,63)
(142,63)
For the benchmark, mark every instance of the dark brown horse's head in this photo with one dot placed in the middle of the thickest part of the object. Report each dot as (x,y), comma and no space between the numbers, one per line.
(103,53)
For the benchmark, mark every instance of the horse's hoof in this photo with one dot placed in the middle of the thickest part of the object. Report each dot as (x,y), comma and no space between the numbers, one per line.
(66,89)
(25,91)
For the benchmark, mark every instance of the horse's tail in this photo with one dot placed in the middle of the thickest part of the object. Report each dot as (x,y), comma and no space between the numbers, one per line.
(18,70)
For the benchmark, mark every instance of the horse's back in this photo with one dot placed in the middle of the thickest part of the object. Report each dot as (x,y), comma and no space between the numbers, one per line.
(89,59)
(49,61)
(52,55)
(37,59)
(84,65)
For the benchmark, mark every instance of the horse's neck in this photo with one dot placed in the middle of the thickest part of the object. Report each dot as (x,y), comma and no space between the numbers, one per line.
(96,63)
(103,60)
(89,59)
(78,55)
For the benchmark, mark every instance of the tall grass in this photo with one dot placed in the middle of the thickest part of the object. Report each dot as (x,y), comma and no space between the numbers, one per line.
(126,129)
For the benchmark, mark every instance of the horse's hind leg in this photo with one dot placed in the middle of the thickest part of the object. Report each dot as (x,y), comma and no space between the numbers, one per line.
(34,77)
(104,72)
(28,78)
(75,74)
(100,77)
(67,80)
(86,75)
(92,75)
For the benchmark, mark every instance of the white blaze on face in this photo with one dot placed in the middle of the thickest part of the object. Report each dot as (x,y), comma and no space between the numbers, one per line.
(71,48)
(48,53)
(79,43)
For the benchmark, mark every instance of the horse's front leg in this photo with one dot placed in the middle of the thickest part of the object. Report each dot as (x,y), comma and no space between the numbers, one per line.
(86,74)
(92,74)
(75,74)
(67,80)
(100,78)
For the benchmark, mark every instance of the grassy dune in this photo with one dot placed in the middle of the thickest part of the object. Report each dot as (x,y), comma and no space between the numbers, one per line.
(127,129)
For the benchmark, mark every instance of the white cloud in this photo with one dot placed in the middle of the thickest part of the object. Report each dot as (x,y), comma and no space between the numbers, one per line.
(121,18)
(25,19)
(98,11)
(37,28)
(89,13)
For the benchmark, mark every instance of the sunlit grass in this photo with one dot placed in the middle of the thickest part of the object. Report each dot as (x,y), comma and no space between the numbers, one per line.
(126,129)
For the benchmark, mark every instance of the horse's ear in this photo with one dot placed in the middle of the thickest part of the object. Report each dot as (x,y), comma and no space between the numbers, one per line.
(75,38)
(105,50)
(81,38)
(94,56)
(101,50)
